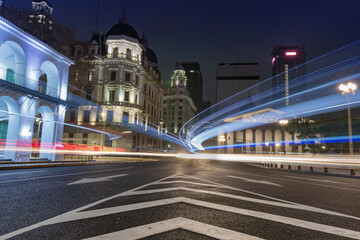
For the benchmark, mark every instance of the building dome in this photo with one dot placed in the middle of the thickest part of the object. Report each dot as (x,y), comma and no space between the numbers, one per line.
(123,29)
(151,56)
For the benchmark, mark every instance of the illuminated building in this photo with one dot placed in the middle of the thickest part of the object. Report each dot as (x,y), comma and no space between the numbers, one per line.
(283,60)
(178,105)
(33,100)
(119,72)
(232,78)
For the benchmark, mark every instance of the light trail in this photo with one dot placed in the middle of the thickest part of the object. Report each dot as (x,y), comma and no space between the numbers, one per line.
(320,96)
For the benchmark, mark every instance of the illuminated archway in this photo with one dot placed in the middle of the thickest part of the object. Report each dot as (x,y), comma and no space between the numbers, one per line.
(9,125)
(46,138)
(51,74)
(12,62)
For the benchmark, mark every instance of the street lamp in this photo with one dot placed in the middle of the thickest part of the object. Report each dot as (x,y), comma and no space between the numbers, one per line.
(283,123)
(345,89)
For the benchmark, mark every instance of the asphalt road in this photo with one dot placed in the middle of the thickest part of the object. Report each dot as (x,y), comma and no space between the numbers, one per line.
(176,199)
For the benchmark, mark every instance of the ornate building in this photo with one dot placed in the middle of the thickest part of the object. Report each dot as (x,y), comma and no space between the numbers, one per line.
(178,106)
(119,72)
(33,96)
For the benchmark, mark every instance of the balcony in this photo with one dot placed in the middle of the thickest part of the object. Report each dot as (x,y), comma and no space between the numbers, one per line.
(22,84)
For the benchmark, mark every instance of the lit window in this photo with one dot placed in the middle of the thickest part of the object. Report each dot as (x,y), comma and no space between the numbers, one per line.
(128,54)
(115,53)
(91,76)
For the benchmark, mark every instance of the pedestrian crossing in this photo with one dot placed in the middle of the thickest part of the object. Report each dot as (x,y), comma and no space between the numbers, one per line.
(196,205)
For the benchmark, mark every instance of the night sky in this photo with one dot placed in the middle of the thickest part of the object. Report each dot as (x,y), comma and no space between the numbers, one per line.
(212,32)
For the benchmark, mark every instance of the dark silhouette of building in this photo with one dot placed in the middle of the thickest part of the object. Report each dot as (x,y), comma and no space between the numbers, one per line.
(232,78)
(194,83)
(286,69)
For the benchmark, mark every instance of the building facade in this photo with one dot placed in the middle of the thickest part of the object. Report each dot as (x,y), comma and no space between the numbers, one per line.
(119,72)
(178,105)
(286,61)
(33,96)
(232,78)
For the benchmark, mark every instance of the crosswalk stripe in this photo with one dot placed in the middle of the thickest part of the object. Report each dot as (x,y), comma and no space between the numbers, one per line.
(173,224)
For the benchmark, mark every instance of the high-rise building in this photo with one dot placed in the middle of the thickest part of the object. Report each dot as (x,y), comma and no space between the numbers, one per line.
(178,105)
(285,62)
(194,83)
(232,78)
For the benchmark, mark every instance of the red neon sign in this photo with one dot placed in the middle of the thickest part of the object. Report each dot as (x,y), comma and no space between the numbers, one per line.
(291,53)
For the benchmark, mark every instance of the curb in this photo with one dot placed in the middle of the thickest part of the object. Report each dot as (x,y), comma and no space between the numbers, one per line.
(351,171)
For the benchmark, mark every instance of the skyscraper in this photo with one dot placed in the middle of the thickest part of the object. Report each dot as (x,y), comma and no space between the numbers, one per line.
(194,83)
(285,62)
(232,78)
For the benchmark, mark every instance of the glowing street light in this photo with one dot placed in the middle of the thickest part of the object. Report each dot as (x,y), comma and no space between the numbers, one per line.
(345,89)
(348,88)
(283,122)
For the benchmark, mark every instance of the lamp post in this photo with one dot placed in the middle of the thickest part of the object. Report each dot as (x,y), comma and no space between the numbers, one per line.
(283,123)
(345,89)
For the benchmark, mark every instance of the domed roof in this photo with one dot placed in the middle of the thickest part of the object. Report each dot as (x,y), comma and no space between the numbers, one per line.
(151,56)
(123,28)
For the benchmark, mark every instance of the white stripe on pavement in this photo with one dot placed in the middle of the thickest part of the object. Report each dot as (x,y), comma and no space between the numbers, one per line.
(63,175)
(15,173)
(255,181)
(173,224)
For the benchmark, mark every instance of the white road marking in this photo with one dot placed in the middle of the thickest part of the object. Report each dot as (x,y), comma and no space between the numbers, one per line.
(172,224)
(188,182)
(261,215)
(79,213)
(256,181)
(317,180)
(15,173)
(64,175)
(94,180)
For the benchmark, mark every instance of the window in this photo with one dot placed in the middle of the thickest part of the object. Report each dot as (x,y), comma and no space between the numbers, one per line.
(3,129)
(113,76)
(91,76)
(88,93)
(92,52)
(10,75)
(115,53)
(127,77)
(127,96)
(86,116)
(180,107)
(137,80)
(71,135)
(128,54)
(126,117)
(111,96)
(42,83)
(72,116)
(85,138)
(145,88)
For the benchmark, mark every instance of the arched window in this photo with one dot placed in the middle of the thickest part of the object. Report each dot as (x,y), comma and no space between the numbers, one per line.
(42,83)
(115,53)
(128,54)
(10,75)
